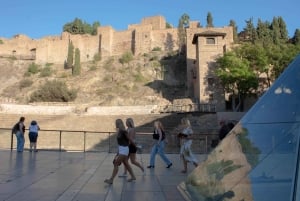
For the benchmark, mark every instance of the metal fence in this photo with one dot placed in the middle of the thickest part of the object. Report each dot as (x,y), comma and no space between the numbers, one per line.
(94,141)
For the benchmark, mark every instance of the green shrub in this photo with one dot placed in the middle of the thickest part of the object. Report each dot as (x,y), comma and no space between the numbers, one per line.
(53,91)
(25,83)
(154,58)
(97,57)
(48,64)
(156,49)
(92,68)
(108,64)
(127,57)
(139,77)
(33,68)
(46,72)
(13,58)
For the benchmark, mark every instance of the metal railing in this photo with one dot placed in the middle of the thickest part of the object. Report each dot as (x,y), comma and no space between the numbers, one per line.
(95,141)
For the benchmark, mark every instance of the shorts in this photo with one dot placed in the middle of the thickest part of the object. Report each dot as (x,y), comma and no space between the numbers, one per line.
(123,150)
(132,149)
(33,136)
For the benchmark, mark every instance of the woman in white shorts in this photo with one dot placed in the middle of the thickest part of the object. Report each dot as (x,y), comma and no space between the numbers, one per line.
(123,151)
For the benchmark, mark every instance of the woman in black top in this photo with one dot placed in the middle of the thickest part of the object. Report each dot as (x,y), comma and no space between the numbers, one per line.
(132,146)
(123,151)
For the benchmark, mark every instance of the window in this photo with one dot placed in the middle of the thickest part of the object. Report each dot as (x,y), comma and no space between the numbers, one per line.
(211,81)
(210,41)
(211,97)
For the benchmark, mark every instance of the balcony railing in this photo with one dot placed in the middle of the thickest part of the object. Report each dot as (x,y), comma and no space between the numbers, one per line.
(94,141)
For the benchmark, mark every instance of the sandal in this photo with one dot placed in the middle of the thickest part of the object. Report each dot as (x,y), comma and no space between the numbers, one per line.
(122,175)
(108,181)
(131,179)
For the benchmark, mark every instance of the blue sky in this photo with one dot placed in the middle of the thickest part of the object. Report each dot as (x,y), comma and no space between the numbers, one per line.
(39,18)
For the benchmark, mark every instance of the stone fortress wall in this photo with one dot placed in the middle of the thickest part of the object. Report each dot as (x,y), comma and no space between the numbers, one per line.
(138,38)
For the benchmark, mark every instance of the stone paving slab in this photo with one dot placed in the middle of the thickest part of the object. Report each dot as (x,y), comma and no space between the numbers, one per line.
(71,176)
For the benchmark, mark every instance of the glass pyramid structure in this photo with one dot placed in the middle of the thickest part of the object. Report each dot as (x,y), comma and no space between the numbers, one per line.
(259,160)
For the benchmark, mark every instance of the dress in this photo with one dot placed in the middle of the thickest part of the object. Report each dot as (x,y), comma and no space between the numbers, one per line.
(185,149)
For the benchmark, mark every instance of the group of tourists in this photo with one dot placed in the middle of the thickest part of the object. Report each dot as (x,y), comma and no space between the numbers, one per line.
(127,147)
(19,131)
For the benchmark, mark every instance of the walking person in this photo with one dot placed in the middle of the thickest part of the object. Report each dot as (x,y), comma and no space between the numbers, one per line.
(33,135)
(123,151)
(132,146)
(19,130)
(159,145)
(185,137)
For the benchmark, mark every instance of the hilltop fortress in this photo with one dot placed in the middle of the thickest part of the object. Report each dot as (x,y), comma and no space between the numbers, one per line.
(204,45)
(138,38)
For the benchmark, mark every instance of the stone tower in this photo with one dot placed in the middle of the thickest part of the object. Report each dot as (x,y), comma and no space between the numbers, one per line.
(204,46)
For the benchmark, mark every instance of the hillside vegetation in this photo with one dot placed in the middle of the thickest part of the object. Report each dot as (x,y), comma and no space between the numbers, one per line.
(153,78)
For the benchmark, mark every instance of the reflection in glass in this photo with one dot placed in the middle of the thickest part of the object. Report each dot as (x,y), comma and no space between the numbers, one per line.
(258,159)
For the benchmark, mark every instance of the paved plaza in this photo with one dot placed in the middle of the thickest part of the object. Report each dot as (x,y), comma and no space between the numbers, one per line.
(71,176)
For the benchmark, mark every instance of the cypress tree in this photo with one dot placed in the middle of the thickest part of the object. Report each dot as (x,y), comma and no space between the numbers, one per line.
(234,27)
(296,38)
(77,67)
(209,20)
(70,55)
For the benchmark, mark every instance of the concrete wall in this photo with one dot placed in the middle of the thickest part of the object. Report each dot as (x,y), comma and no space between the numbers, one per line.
(72,109)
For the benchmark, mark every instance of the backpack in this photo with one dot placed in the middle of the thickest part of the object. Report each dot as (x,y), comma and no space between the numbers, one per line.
(15,129)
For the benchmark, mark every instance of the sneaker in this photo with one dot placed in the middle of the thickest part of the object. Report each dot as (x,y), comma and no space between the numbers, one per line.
(150,166)
(108,181)
(169,165)
(183,171)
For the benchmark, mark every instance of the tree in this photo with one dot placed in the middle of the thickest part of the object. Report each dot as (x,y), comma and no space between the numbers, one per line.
(275,31)
(250,30)
(283,31)
(296,37)
(80,27)
(234,27)
(70,57)
(182,25)
(258,60)
(95,28)
(237,78)
(168,25)
(209,20)
(264,35)
(77,66)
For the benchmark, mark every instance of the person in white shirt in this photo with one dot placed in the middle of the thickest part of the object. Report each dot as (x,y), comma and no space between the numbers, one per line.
(33,135)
